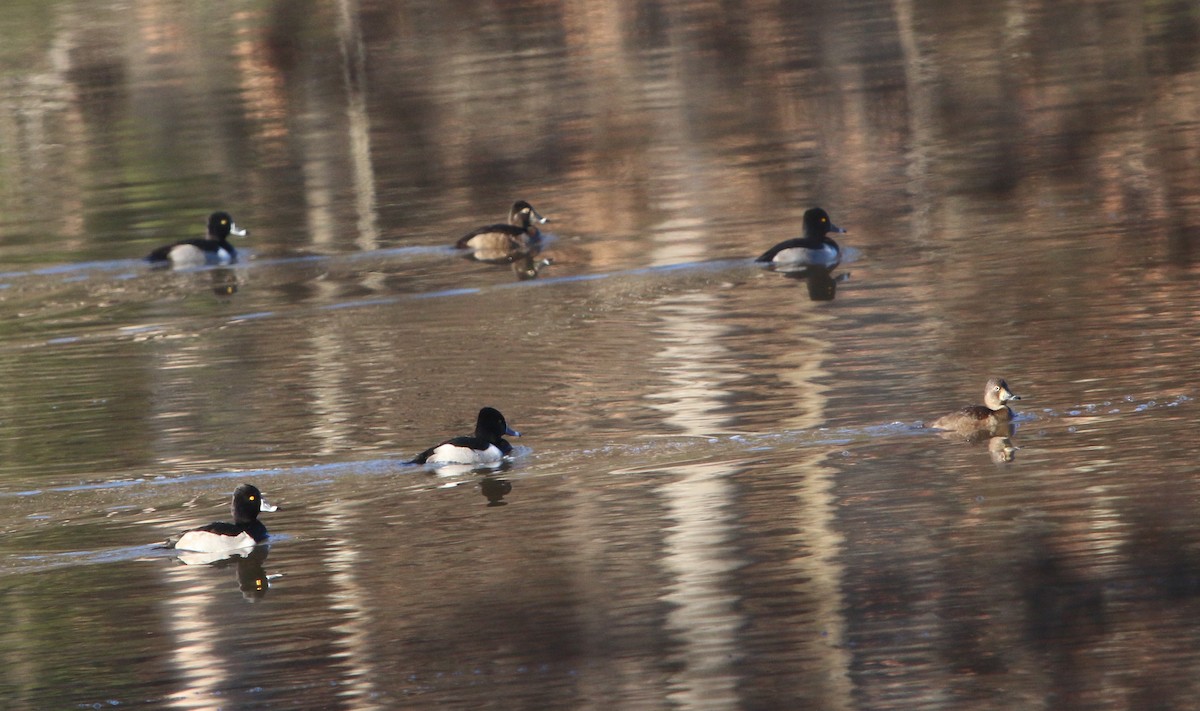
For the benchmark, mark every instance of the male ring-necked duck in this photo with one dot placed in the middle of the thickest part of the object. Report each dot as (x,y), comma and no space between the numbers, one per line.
(213,249)
(246,531)
(991,416)
(486,446)
(504,242)
(814,247)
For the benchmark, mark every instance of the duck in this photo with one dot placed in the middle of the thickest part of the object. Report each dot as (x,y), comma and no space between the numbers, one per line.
(486,446)
(813,248)
(503,243)
(994,416)
(213,249)
(246,531)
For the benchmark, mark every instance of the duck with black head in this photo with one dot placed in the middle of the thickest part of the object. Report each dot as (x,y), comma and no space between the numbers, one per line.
(211,249)
(506,242)
(812,248)
(486,446)
(246,531)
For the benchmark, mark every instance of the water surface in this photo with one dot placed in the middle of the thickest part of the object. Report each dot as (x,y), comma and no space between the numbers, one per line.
(724,498)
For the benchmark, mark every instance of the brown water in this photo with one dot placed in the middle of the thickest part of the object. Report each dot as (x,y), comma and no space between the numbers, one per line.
(722,499)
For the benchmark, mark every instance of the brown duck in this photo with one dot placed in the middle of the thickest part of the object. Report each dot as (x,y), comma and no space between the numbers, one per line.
(987,418)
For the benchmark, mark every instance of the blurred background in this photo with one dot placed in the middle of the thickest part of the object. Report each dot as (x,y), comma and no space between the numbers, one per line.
(723,498)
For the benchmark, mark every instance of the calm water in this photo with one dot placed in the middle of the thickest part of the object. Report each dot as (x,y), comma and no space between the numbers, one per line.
(722,499)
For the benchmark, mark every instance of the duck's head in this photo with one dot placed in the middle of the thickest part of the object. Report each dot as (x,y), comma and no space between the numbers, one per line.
(996,394)
(817,222)
(490,425)
(220,226)
(247,502)
(522,214)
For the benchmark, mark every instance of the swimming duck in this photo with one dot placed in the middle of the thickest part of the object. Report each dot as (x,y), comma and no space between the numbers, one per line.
(486,446)
(246,531)
(814,247)
(992,416)
(505,242)
(213,249)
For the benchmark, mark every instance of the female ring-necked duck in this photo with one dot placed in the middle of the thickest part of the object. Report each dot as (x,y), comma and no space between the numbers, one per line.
(213,249)
(504,242)
(246,531)
(813,248)
(486,446)
(991,416)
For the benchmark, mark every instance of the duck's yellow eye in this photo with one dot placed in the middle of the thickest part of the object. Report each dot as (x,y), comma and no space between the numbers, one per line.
(252,498)
(824,220)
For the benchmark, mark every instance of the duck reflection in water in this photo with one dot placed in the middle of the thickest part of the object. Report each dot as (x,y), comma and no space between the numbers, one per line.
(252,577)
(1000,446)
(494,490)
(529,267)
(224,282)
(822,285)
